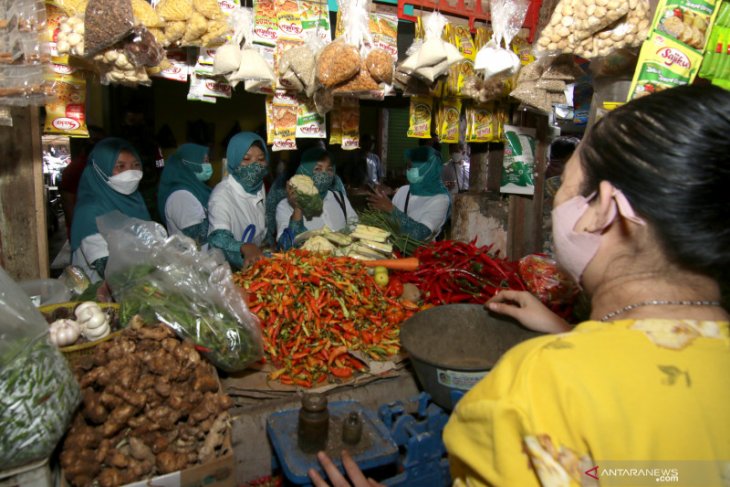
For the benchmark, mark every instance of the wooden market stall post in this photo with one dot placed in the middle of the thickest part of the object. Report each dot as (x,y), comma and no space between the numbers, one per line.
(23,237)
(513,223)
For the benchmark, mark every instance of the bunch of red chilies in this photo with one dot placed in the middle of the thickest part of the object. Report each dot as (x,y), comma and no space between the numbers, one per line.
(458,272)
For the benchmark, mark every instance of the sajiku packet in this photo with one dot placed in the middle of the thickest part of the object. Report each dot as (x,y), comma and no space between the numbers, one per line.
(663,63)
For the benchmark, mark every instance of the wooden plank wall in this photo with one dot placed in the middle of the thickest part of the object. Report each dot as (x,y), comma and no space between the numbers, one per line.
(23,237)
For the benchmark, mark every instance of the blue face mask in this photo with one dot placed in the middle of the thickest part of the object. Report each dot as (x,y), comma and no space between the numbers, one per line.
(203,170)
(205,173)
(251,177)
(414,174)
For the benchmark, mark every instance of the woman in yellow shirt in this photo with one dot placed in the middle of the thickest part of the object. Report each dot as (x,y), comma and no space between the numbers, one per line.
(639,395)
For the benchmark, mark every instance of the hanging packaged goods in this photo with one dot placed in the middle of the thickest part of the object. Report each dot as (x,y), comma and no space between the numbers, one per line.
(595,28)
(716,63)
(518,167)
(673,53)
(24,53)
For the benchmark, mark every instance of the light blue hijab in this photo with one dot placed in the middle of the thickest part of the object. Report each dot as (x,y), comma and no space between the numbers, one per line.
(429,162)
(95,197)
(237,148)
(180,176)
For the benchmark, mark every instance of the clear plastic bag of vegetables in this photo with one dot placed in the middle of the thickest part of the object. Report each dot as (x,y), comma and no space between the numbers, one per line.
(38,392)
(167,279)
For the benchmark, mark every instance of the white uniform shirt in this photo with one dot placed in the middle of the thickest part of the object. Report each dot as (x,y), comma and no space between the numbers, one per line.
(182,210)
(92,248)
(332,215)
(427,210)
(231,208)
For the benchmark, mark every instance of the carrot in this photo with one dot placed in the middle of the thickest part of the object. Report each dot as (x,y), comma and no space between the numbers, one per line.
(408,264)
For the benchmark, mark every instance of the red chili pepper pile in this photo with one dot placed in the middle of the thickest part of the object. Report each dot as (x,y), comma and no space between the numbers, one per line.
(314,309)
(458,272)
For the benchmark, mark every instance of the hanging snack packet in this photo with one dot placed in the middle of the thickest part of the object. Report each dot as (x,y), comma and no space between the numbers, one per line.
(421,112)
(106,22)
(687,21)
(350,113)
(266,27)
(448,120)
(310,124)
(284,117)
(336,123)
(663,63)
(518,168)
(66,113)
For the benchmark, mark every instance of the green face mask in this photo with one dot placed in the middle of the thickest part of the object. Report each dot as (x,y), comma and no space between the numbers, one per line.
(323,181)
(251,177)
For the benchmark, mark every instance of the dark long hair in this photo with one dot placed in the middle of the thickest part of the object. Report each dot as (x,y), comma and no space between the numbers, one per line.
(669,153)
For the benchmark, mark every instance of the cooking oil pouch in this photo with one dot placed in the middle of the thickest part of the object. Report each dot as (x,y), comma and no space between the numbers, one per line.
(483,123)
(449,118)
(663,63)
(518,168)
(419,122)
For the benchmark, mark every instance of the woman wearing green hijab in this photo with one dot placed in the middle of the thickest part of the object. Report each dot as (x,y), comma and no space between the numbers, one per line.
(183,195)
(238,202)
(108,183)
(421,208)
(337,211)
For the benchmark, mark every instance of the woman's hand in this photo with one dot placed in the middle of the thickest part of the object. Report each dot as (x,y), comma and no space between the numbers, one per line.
(353,472)
(528,310)
(251,253)
(379,201)
(297,215)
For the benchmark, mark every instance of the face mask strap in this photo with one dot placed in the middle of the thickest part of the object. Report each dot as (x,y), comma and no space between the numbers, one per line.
(625,208)
(98,170)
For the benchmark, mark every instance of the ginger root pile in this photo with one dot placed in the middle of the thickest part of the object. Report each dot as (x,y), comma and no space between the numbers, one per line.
(151,406)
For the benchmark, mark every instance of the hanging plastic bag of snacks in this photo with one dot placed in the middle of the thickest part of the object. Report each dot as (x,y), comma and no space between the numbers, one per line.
(106,22)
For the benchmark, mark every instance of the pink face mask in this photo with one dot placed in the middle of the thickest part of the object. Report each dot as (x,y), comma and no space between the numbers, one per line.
(575,250)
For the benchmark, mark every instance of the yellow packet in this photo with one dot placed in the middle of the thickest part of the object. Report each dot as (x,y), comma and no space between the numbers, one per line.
(663,63)
(687,21)
(350,120)
(482,36)
(524,50)
(421,112)
(66,112)
(483,123)
(449,117)
(335,125)
(70,7)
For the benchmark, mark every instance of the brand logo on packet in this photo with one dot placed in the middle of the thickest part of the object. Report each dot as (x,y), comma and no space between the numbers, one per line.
(674,56)
(172,70)
(226,6)
(266,33)
(218,87)
(291,28)
(287,144)
(62,69)
(312,128)
(64,123)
